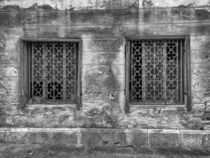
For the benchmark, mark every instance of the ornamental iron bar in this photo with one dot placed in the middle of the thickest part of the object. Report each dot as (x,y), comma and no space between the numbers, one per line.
(156,71)
(53,71)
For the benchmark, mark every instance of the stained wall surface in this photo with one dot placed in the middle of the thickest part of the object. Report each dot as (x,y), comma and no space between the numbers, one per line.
(103,27)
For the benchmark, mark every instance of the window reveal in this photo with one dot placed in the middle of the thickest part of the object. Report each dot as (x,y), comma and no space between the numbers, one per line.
(53,71)
(156,71)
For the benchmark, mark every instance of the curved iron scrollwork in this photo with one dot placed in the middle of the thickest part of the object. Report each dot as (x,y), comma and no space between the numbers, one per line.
(156,70)
(53,71)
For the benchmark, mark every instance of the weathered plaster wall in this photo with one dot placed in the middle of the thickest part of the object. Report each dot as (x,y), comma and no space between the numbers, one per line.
(103,30)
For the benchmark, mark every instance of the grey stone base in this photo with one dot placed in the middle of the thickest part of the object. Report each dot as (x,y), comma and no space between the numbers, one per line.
(107,138)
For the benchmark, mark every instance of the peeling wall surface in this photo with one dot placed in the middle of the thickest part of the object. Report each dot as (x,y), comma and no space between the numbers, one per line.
(103,26)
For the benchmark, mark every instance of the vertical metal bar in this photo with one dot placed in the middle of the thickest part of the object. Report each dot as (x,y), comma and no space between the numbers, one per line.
(76,57)
(79,73)
(177,72)
(53,75)
(28,68)
(188,67)
(32,71)
(64,71)
(43,69)
(164,70)
(154,65)
(127,75)
(143,73)
(131,73)
(185,67)
(181,72)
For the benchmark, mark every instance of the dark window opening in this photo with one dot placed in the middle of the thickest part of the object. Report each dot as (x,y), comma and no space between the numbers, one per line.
(156,71)
(53,71)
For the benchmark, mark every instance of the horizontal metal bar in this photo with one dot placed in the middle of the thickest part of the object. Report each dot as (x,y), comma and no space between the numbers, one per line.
(52,39)
(146,102)
(155,105)
(167,37)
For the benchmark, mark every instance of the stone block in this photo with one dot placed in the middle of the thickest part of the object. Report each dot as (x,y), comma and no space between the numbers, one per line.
(206,141)
(199,42)
(2,136)
(101,81)
(164,138)
(103,58)
(18,137)
(67,138)
(9,58)
(2,45)
(9,71)
(12,45)
(11,83)
(42,136)
(103,45)
(39,137)
(94,138)
(137,138)
(192,139)
(12,98)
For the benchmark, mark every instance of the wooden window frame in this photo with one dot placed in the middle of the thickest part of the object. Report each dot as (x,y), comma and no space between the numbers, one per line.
(186,74)
(24,77)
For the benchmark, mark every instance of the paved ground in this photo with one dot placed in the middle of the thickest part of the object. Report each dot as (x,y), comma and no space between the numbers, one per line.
(37,151)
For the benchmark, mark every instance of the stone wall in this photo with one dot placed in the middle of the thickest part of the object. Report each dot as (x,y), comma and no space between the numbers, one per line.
(103,27)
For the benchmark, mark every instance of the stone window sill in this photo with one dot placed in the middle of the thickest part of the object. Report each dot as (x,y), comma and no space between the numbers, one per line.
(35,106)
(175,107)
(206,122)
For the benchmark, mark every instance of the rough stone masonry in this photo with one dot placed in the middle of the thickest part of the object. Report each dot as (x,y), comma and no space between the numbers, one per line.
(104,26)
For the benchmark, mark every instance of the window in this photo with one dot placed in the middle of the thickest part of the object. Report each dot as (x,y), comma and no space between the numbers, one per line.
(156,71)
(52,71)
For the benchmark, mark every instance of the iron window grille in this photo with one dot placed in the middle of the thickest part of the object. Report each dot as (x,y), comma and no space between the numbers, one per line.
(52,71)
(156,71)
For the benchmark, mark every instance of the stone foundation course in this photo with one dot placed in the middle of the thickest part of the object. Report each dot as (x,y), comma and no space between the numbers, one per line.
(113,139)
